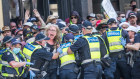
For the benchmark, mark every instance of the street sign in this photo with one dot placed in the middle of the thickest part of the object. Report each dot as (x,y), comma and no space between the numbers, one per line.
(106,4)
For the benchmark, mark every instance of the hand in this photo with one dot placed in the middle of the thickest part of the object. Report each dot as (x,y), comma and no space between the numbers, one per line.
(59,50)
(123,41)
(27,14)
(29,63)
(32,74)
(36,13)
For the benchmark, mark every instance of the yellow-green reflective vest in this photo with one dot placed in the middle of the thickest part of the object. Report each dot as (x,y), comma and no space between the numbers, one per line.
(29,49)
(113,37)
(99,36)
(94,46)
(66,58)
(1,53)
(6,64)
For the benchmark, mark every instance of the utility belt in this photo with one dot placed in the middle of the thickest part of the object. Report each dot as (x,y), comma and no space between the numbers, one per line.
(87,62)
(117,54)
(68,62)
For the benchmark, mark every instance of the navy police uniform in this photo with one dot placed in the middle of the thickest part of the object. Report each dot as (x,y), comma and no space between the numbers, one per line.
(118,59)
(91,70)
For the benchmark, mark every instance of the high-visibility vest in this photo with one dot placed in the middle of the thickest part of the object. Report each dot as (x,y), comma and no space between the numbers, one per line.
(1,53)
(64,57)
(94,46)
(6,64)
(29,49)
(99,36)
(113,37)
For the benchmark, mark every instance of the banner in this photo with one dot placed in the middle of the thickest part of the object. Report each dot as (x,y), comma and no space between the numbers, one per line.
(106,4)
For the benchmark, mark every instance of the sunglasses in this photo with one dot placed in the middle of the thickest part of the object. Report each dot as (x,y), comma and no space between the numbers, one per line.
(73,17)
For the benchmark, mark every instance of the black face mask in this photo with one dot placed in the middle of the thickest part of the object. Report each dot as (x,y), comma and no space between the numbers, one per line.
(13,31)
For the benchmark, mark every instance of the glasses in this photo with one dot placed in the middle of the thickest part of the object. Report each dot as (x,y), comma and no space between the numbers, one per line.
(92,19)
(73,17)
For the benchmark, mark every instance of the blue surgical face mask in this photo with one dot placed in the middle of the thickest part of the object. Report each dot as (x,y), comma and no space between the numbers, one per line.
(16,50)
(123,19)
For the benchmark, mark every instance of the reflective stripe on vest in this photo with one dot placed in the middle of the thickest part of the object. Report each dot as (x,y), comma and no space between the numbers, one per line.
(90,60)
(1,53)
(114,40)
(5,63)
(66,58)
(94,47)
(29,49)
(76,37)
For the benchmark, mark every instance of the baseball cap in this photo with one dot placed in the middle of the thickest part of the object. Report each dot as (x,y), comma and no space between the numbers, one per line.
(69,37)
(15,41)
(40,37)
(131,28)
(32,19)
(111,20)
(132,14)
(92,15)
(26,31)
(61,25)
(6,28)
(28,24)
(73,28)
(86,24)
(35,27)
(101,26)
(7,39)
(17,30)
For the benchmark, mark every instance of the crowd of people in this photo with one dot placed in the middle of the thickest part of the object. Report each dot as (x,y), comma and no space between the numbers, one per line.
(96,48)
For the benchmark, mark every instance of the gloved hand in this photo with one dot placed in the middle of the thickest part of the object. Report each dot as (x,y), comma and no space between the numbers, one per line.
(123,41)
(59,50)
(32,74)
(29,63)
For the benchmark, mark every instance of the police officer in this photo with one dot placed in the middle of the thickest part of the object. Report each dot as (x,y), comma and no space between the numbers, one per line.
(68,67)
(135,47)
(74,29)
(116,51)
(89,49)
(12,61)
(62,27)
(41,57)
(5,46)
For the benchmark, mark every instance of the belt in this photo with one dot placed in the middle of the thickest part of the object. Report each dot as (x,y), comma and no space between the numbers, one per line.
(90,60)
(34,69)
(68,62)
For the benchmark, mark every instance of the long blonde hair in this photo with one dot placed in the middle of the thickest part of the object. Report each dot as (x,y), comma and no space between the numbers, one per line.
(57,38)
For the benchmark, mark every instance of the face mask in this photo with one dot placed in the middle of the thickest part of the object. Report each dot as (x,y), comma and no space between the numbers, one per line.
(16,50)
(42,32)
(123,19)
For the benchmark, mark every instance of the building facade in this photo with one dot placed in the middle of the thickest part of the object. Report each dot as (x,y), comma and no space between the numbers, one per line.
(62,8)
